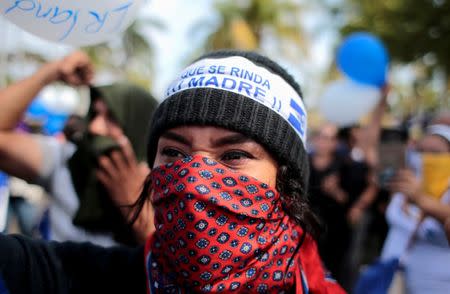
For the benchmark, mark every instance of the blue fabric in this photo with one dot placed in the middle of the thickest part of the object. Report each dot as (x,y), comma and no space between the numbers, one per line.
(3,289)
(377,278)
(3,179)
(25,213)
(44,226)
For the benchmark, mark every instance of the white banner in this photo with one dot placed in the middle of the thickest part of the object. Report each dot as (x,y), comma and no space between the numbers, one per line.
(80,23)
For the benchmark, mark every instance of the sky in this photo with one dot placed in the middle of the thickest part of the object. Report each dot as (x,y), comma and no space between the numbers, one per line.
(176,44)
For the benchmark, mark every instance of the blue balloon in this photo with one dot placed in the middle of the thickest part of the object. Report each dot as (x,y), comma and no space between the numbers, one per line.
(55,124)
(37,110)
(363,58)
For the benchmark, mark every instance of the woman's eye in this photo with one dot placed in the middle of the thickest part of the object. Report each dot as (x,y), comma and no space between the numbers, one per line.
(235,157)
(174,153)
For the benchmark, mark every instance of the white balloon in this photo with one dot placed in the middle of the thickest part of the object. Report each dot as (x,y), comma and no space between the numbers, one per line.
(344,102)
(74,22)
(60,99)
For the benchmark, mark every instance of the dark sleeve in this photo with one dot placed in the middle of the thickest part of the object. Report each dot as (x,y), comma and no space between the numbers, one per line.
(94,269)
(28,266)
(31,266)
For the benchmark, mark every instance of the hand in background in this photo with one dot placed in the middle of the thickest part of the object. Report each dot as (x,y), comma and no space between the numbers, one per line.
(408,184)
(330,185)
(122,175)
(75,69)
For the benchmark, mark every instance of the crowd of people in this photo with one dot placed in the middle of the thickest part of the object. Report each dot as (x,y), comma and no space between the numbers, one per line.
(401,217)
(215,189)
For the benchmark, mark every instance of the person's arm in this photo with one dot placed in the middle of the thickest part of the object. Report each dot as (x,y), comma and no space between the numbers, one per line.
(366,199)
(28,266)
(32,266)
(372,132)
(20,154)
(406,183)
(15,99)
(330,185)
(432,207)
(94,269)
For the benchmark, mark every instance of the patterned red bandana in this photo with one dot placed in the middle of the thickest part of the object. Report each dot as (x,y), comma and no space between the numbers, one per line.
(219,231)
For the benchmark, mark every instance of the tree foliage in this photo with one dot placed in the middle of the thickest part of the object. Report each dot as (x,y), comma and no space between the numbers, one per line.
(244,22)
(413,31)
(128,57)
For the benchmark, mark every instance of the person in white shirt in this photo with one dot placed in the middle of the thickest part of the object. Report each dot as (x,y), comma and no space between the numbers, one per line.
(416,220)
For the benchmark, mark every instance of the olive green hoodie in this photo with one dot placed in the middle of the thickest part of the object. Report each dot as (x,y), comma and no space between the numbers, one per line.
(132,108)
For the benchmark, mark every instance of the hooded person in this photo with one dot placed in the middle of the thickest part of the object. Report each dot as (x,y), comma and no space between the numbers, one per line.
(129,106)
(228,187)
(85,203)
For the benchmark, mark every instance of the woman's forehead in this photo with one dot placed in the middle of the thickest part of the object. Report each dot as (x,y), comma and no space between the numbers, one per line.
(433,143)
(204,130)
(210,135)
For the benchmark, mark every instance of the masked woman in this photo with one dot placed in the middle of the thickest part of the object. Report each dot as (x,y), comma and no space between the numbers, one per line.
(228,187)
(417,214)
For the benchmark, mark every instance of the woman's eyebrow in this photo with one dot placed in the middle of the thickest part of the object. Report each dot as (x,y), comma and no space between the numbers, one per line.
(176,137)
(231,139)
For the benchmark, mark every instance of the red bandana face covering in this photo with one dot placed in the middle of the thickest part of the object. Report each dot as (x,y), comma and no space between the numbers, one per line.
(218,231)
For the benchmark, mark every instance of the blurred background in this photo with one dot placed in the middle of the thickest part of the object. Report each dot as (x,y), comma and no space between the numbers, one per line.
(302,35)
